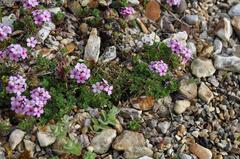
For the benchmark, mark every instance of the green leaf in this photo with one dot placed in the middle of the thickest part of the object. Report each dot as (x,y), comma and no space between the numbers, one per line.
(73,147)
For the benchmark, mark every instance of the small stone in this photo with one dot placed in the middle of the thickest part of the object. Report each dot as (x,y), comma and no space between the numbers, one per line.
(133,2)
(149,39)
(200,151)
(145,157)
(164,126)
(152,10)
(92,49)
(207,51)
(235,10)
(45,138)
(8,3)
(131,113)
(205,93)
(162,106)
(185,156)
(202,67)
(29,146)
(231,63)
(57,146)
(193,48)
(109,54)
(70,47)
(15,138)
(224,29)
(143,103)
(75,7)
(136,152)
(54,10)
(128,139)
(192,19)
(102,142)
(166,25)
(217,46)
(84,27)
(9,20)
(188,89)
(43,34)
(182,7)
(236,25)
(84,3)
(181,106)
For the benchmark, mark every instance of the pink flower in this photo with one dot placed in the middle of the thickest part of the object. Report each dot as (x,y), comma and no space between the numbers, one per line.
(158,67)
(18,104)
(31,42)
(16,84)
(127,10)
(174,2)
(16,52)
(102,86)
(81,73)
(30,3)
(40,95)
(2,54)
(41,16)
(4,31)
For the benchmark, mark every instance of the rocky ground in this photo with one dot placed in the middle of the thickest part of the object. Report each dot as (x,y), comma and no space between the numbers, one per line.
(200,120)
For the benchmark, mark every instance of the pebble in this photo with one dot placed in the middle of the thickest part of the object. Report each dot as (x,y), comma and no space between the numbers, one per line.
(45,138)
(92,49)
(188,89)
(202,67)
(29,146)
(102,142)
(133,2)
(185,156)
(200,151)
(136,152)
(192,19)
(235,10)
(9,20)
(127,140)
(8,3)
(164,126)
(181,106)
(205,93)
(15,138)
(193,48)
(224,29)
(109,54)
(217,46)
(230,63)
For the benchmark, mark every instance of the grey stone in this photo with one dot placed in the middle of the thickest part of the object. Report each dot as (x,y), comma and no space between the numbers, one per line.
(92,49)
(15,138)
(164,126)
(217,46)
(109,54)
(192,19)
(188,89)
(45,138)
(8,3)
(133,2)
(181,106)
(29,146)
(225,32)
(235,10)
(102,142)
(136,152)
(205,93)
(231,63)
(202,67)
(9,20)
(185,156)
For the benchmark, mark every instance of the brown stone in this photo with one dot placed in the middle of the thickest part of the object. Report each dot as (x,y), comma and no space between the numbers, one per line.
(70,47)
(200,151)
(153,10)
(143,103)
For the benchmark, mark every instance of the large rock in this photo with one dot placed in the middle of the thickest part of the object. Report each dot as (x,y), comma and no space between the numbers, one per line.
(235,10)
(15,138)
(200,151)
(224,29)
(181,106)
(128,139)
(202,67)
(188,89)
(231,63)
(45,138)
(136,152)
(102,142)
(205,93)
(92,49)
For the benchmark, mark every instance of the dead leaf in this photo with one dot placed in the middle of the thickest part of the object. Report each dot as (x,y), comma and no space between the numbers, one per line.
(153,10)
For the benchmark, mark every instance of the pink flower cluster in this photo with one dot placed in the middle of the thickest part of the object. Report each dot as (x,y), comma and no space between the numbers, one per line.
(30,3)
(159,67)
(16,52)
(127,10)
(174,2)
(41,16)
(4,31)
(181,50)
(16,84)
(102,86)
(31,107)
(81,73)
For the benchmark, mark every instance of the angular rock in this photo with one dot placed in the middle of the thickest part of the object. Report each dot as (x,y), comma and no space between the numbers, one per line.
(102,142)
(15,138)
(29,146)
(45,138)
(128,139)
(164,126)
(152,10)
(224,29)
(181,106)
(192,19)
(143,103)
(136,152)
(235,10)
(188,89)
(92,49)
(231,63)
(202,67)
(205,93)
(236,25)
(109,54)
(200,151)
